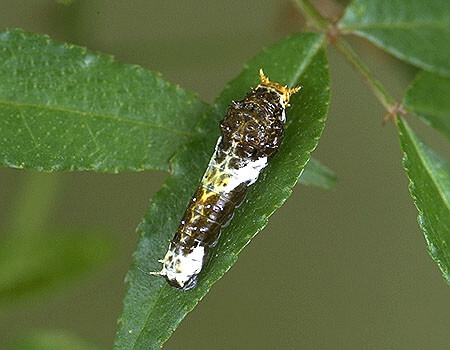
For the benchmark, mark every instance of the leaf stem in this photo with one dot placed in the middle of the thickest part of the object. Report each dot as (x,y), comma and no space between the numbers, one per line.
(312,14)
(343,47)
(372,82)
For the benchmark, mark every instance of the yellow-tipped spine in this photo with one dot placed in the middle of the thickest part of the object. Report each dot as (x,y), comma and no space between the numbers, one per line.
(284,90)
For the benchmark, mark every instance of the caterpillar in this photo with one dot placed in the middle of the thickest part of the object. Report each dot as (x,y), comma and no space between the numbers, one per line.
(251,133)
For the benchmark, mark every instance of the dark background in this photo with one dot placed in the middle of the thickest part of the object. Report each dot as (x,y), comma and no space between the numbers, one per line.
(341,269)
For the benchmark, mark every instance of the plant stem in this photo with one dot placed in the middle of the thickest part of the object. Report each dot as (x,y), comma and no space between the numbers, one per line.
(343,47)
(373,83)
(312,14)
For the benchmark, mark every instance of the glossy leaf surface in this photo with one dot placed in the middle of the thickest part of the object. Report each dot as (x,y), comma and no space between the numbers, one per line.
(153,309)
(63,107)
(317,174)
(428,98)
(416,31)
(429,185)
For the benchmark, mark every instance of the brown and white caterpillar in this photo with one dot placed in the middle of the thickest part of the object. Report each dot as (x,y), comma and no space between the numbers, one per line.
(251,134)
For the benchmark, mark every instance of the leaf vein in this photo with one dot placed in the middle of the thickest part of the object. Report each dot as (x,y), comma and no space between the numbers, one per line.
(97,115)
(402,25)
(306,61)
(149,314)
(28,128)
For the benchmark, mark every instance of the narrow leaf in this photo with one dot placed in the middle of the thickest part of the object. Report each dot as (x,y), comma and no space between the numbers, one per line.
(416,31)
(36,265)
(51,340)
(317,174)
(429,185)
(153,309)
(428,98)
(63,107)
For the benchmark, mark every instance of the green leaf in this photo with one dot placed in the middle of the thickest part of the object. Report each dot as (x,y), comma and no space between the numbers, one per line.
(428,98)
(51,340)
(63,107)
(153,309)
(35,265)
(416,31)
(317,174)
(429,185)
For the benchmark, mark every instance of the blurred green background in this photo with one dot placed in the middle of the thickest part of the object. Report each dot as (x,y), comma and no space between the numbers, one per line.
(341,269)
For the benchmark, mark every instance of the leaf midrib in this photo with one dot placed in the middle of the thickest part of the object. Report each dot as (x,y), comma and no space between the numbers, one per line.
(96,115)
(149,315)
(426,110)
(403,25)
(297,75)
(307,61)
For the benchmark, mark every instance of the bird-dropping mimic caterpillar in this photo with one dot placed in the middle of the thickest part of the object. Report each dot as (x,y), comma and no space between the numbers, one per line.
(251,134)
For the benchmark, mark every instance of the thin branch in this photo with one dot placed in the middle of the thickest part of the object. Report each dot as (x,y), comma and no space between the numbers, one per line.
(374,84)
(312,14)
(333,34)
